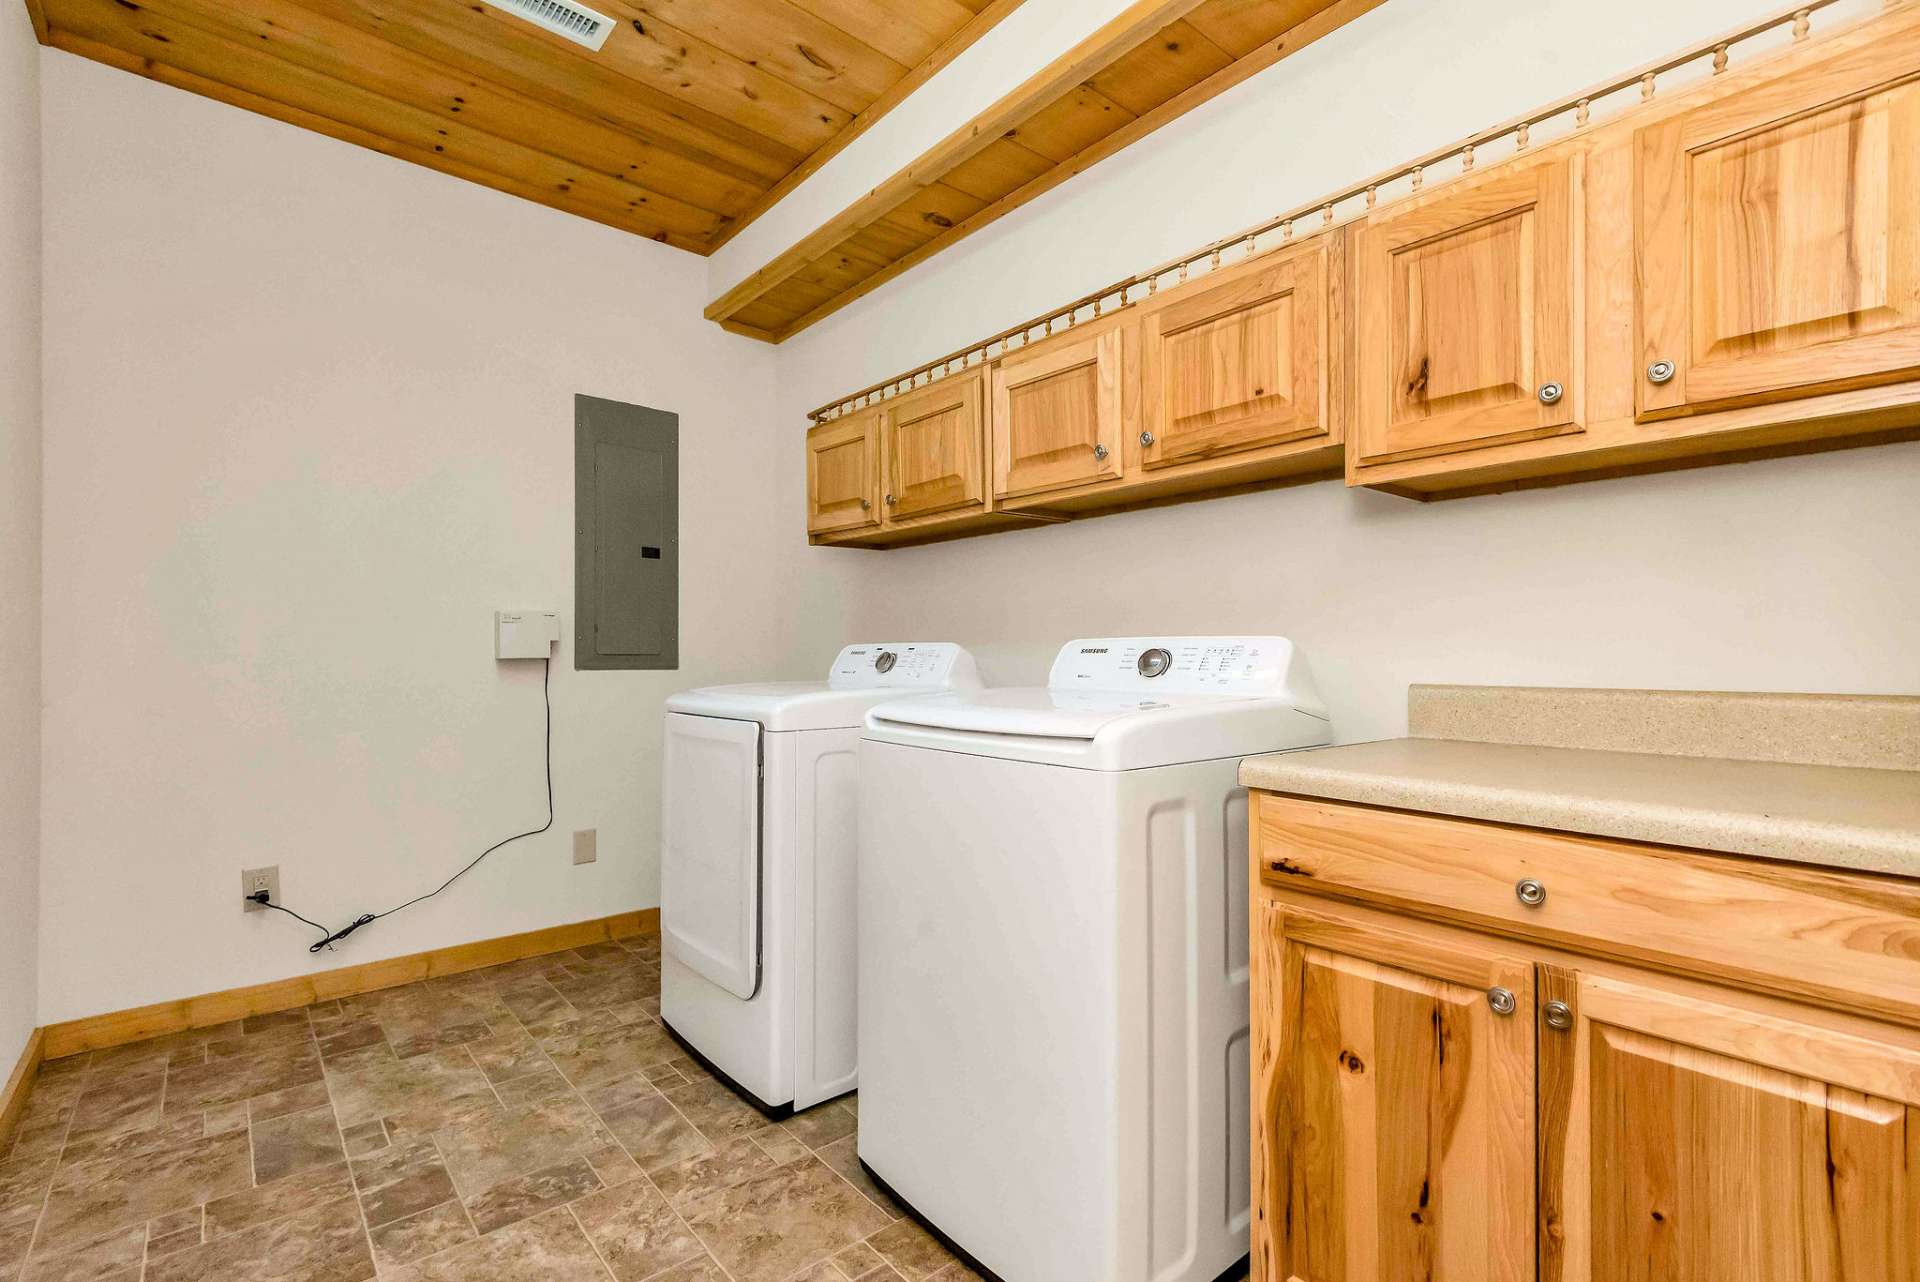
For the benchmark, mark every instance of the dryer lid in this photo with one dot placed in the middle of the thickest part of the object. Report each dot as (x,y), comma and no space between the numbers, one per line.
(861,676)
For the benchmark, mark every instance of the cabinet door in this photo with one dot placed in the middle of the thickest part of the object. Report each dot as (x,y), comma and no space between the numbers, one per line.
(1393,1106)
(933,449)
(1686,1140)
(1238,365)
(843,473)
(1779,237)
(1056,414)
(1466,317)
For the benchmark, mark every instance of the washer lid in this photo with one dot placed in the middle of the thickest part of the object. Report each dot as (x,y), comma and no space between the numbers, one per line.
(1038,711)
(1127,703)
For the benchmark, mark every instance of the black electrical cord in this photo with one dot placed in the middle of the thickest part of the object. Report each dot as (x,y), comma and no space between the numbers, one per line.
(367,919)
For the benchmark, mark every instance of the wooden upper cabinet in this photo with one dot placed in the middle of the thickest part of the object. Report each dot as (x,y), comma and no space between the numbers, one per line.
(933,449)
(843,473)
(1236,365)
(1057,413)
(1687,1139)
(1467,305)
(1393,1106)
(1779,236)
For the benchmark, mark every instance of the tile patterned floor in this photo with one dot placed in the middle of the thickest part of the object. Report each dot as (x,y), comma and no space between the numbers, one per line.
(531,1121)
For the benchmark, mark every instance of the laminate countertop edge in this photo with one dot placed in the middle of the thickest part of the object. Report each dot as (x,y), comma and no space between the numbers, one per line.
(1837,816)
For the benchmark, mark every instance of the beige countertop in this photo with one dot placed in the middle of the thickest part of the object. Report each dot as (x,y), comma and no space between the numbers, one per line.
(1858,815)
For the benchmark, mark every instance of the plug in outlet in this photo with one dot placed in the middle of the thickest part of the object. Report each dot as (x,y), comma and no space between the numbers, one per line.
(586,845)
(255,880)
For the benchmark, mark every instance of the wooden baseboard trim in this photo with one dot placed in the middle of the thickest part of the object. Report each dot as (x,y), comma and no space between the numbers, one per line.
(13,1100)
(97,1032)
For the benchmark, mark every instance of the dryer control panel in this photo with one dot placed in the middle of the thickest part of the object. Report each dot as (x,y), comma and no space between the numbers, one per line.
(1176,665)
(904,665)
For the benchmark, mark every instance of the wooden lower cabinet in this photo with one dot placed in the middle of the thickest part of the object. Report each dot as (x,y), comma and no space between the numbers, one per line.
(1443,1096)
(1397,1139)
(1686,1137)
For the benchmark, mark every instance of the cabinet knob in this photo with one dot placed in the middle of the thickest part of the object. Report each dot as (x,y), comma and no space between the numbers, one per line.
(1100,452)
(866,505)
(1660,372)
(1530,892)
(889,500)
(1551,392)
(1146,438)
(1501,1000)
(1559,1016)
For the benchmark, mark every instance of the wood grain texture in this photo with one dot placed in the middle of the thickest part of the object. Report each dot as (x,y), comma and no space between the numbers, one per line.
(1146,67)
(1395,1106)
(933,449)
(843,473)
(1057,412)
(19,1086)
(1846,939)
(96,1032)
(678,129)
(1698,1141)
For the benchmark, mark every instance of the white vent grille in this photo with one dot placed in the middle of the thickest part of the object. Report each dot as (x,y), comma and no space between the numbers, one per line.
(574,21)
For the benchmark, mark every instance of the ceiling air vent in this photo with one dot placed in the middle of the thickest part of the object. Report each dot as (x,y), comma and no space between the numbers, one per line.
(574,21)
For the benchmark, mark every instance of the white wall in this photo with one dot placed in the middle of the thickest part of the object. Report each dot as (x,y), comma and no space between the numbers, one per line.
(308,423)
(19,529)
(1793,574)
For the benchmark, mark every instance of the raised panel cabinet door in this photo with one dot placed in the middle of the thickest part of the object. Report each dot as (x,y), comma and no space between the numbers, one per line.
(1779,237)
(1687,1139)
(843,473)
(1467,310)
(933,448)
(1057,415)
(1393,1105)
(1236,366)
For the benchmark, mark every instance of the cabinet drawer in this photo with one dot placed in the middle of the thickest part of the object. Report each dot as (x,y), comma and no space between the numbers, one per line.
(1848,938)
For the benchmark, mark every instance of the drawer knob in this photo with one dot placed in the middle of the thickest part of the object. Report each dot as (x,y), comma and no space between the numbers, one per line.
(1559,1016)
(1530,892)
(1100,452)
(1660,372)
(1551,392)
(1501,1000)
(889,500)
(866,505)
(1146,438)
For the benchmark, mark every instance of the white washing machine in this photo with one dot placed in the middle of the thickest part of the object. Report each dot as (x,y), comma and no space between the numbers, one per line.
(757,862)
(1053,905)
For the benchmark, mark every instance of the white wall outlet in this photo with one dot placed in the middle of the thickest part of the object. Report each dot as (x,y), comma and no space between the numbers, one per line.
(255,880)
(586,845)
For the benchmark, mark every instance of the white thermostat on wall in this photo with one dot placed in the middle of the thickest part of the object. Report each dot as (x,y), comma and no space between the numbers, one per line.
(525,634)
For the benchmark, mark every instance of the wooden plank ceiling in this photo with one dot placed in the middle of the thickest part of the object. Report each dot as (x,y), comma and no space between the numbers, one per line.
(1154,62)
(694,117)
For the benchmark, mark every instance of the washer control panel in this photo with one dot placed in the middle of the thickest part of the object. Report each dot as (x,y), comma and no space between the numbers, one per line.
(907,665)
(1174,665)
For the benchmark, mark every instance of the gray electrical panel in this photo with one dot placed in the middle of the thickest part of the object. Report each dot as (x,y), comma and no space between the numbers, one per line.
(626,538)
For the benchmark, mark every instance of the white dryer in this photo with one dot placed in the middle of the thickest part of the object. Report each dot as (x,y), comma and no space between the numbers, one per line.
(757,868)
(1053,905)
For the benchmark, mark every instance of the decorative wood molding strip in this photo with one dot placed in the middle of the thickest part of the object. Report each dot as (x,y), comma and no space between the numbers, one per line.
(99,1031)
(19,1088)
(1577,110)
(955,45)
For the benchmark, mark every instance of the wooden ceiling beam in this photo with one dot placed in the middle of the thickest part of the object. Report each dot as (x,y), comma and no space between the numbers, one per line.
(1310,20)
(1140,21)
(956,44)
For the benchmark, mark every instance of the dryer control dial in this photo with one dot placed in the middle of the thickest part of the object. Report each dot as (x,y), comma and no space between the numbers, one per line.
(884,661)
(1154,662)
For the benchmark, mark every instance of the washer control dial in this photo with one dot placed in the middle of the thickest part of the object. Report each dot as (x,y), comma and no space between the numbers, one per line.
(884,661)
(1154,662)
